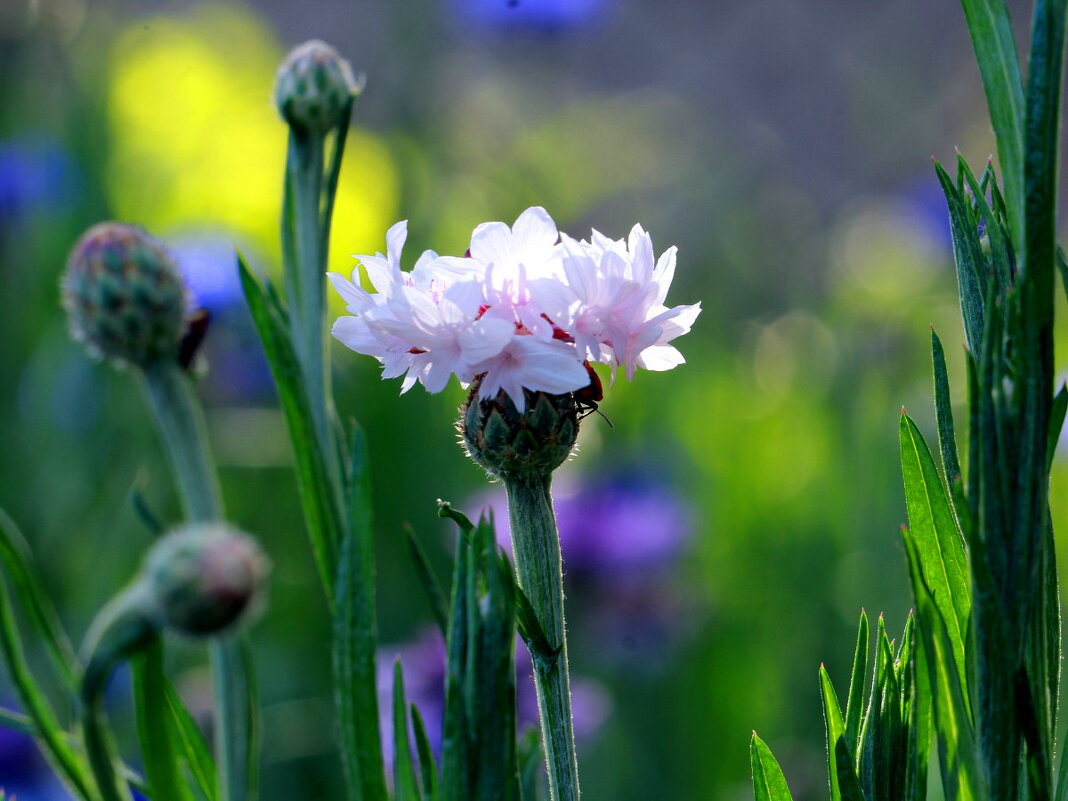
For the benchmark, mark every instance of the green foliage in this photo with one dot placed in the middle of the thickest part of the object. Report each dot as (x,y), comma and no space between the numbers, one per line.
(768,782)
(155,728)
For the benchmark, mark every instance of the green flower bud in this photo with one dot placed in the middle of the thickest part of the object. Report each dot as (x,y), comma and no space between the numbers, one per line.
(315,87)
(124,296)
(205,578)
(506,442)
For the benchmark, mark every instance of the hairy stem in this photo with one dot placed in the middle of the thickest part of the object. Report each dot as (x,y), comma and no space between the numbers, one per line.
(539,566)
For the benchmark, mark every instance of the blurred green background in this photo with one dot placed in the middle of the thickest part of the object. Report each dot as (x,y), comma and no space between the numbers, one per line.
(784,146)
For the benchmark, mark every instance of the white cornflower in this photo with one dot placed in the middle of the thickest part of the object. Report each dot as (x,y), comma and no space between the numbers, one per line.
(525,308)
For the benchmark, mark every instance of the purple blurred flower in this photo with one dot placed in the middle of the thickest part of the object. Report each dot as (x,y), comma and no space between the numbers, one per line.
(622,523)
(538,16)
(623,537)
(37,176)
(423,662)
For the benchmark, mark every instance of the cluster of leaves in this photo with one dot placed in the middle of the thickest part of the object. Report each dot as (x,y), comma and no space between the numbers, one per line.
(980,551)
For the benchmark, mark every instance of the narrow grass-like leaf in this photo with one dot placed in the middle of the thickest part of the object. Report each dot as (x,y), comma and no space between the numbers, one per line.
(939,542)
(17,563)
(962,777)
(69,766)
(431,586)
(947,440)
(999,66)
(848,783)
(322,507)
(530,760)
(971,265)
(530,628)
(769,784)
(999,239)
(1056,423)
(428,769)
(455,748)
(404,783)
(835,728)
(194,748)
(153,727)
(855,700)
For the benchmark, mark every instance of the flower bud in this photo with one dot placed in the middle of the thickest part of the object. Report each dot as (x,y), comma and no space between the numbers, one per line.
(314,88)
(204,578)
(124,296)
(507,442)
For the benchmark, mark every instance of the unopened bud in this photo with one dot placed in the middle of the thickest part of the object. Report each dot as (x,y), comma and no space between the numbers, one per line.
(204,578)
(315,88)
(507,442)
(124,297)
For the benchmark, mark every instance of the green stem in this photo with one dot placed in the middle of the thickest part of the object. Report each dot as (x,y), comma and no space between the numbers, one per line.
(304,248)
(185,439)
(536,545)
(181,424)
(100,750)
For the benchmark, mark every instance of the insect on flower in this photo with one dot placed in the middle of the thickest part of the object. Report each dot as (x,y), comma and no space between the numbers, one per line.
(590,396)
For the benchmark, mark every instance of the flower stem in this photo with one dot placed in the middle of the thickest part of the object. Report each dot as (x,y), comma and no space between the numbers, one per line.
(181,424)
(536,545)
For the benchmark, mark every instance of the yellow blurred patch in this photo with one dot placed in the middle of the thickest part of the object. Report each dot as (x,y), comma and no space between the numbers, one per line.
(197,143)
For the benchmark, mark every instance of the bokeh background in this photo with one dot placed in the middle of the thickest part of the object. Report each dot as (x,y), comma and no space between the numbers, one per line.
(722,538)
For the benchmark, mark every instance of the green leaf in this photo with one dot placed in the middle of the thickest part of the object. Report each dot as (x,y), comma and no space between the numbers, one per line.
(17,563)
(355,639)
(1000,254)
(530,760)
(939,542)
(153,727)
(769,784)
(848,782)
(322,507)
(971,265)
(1056,423)
(995,50)
(962,777)
(835,727)
(530,628)
(855,700)
(429,580)
(404,784)
(428,769)
(947,440)
(53,739)
(195,751)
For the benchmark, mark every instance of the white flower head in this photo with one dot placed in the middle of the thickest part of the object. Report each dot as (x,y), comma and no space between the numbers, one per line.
(526,308)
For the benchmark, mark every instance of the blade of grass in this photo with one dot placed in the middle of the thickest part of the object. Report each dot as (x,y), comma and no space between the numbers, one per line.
(195,750)
(153,727)
(939,542)
(428,769)
(322,507)
(855,700)
(835,727)
(769,784)
(69,766)
(404,784)
(28,587)
(429,580)
(999,66)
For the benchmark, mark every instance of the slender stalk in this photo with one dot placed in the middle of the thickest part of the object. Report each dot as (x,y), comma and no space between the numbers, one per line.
(181,424)
(536,544)
(304,247)
(99,749)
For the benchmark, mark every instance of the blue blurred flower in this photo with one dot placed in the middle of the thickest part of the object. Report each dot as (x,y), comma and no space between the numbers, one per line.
(538,16)
(37,177)
(423,662)
(24,774)
(238,370)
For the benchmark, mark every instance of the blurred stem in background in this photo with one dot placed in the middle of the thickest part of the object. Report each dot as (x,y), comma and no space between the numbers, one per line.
(181,426)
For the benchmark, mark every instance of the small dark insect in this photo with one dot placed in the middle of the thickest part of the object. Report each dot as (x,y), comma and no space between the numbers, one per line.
(194,337)
(588,397)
